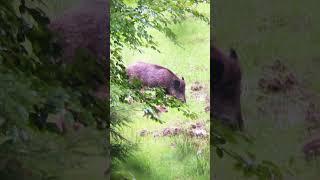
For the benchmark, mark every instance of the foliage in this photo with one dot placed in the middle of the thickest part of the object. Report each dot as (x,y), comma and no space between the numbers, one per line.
(248,162)
(130,25)
(35,85)
(130,22)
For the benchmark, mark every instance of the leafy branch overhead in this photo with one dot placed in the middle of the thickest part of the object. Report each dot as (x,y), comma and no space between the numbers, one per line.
(130,21)
(246,162)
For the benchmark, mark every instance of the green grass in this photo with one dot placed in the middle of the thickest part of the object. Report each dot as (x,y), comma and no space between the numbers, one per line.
(156,158)
(261,32)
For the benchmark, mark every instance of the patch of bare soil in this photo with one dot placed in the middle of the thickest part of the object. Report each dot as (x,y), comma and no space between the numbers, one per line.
(196,86)
(312,117)
(207,108)
(281,93)
(201,93)
(287,95)
(311,147)
(191,129)
(277,78)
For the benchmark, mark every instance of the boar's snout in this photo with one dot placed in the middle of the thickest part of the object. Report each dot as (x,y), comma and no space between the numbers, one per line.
(178,89)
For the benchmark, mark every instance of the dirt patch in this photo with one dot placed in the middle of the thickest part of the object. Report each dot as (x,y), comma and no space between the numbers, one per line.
(311,149)
(281,88)
(191,129)
(171,131)
(277,78)
(197,130)
(287,98)
(201,93)
(196,86)
(207,108)
(312,118)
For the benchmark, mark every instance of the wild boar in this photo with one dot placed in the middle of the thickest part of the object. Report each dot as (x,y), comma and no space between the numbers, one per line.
(85,27)
(226,74)
(152,75)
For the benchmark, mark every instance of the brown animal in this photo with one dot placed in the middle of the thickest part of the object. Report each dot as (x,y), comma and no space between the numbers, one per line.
(226,74)
(152,75)
(85,27)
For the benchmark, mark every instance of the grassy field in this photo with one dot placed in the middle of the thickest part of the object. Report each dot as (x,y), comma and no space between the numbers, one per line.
(177,157)
(262,32)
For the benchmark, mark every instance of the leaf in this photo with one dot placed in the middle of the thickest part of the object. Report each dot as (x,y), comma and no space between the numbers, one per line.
(219,152)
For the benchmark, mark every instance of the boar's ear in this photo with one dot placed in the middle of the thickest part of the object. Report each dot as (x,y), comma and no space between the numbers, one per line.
(218,70)
(182,78)
(176,84)
(233,54)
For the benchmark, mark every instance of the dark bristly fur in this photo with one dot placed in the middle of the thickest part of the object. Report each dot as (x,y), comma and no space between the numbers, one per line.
(152,75)
(226,88)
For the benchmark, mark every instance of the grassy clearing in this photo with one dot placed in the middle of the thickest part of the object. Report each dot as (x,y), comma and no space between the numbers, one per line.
(261,32)
(178,157)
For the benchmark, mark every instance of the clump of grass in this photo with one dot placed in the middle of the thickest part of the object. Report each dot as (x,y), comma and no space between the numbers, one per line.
(184,146)
(194,151)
